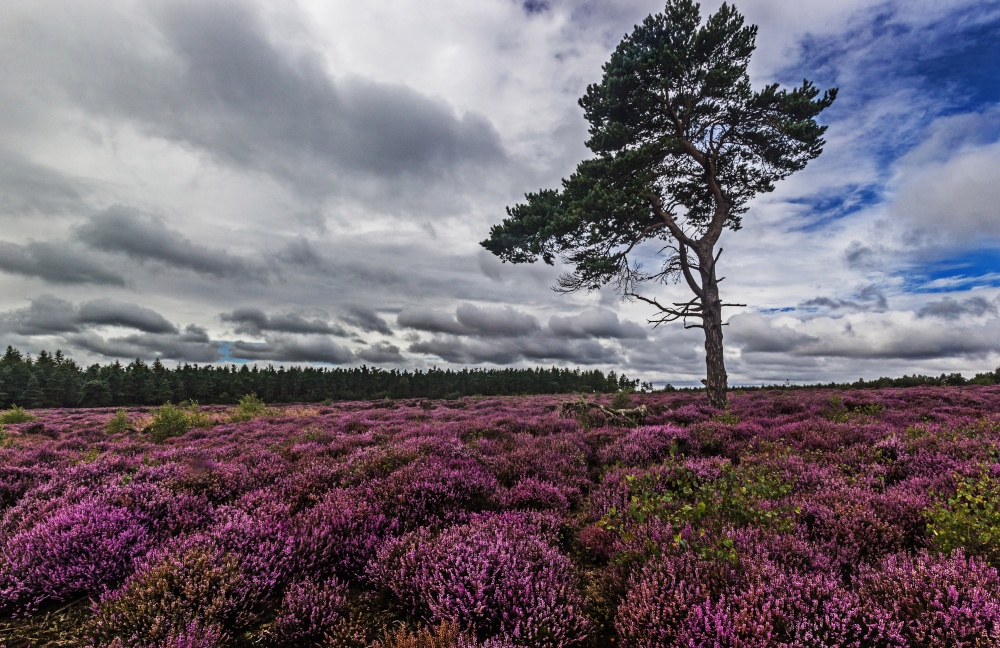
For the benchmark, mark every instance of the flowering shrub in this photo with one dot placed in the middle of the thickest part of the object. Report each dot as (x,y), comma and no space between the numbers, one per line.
(308,611)
(493,576)
(340,535)
(185,590)
(646,445)
(445,635)
(798,519)
(80,550)
(930,600)
(432,491)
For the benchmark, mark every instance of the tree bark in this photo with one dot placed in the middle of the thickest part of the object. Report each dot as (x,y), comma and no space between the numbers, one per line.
(717,381)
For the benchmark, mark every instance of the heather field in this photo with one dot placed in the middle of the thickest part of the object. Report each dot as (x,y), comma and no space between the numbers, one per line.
(796,518)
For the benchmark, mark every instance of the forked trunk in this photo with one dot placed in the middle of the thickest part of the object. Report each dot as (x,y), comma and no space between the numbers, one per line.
(717,382)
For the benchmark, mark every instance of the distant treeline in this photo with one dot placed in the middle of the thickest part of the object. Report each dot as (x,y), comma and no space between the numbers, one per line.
(54,380)
(916,380)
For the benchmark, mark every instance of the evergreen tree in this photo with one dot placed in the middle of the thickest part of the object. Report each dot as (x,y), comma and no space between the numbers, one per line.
(33,395)
(682,143)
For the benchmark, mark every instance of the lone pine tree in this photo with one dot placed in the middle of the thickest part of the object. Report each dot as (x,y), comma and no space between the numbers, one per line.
(682,142)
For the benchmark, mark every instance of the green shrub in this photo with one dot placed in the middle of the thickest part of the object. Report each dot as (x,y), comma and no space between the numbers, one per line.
(743,495)
(168,421)
(970,519)
(196,417)
(119,423)
(16,414)
(726,418)
(249,408)
(622,399)
(835,410)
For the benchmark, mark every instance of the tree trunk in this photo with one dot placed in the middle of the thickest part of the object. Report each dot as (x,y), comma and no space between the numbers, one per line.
(717,382)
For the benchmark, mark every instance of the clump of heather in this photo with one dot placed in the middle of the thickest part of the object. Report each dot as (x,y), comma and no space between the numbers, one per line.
(340,535)
(188,585)
(80,550)
(663,593)
(308,611)
(770,606)
(930,600)
(647,445)
(533,493)
(433,490)
(493,576)
(445,635)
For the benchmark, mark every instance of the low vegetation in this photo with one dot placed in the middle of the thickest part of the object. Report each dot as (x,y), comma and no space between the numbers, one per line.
(795,518)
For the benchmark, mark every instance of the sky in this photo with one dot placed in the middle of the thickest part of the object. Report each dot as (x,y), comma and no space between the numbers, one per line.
(307,182)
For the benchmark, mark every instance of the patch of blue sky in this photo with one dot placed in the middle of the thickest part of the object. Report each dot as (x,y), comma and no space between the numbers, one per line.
(964,65)
(824,209)
(783,309)
(949,68)
(961,272)
(225,349)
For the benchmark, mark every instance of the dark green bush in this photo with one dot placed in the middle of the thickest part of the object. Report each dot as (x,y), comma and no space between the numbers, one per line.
(168,421)
(119,423)
(622,399)
(249,408)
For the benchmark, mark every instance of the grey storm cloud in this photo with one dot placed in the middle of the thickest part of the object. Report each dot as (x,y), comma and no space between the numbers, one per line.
(44,316)
(193,345)
(254,321)
(858,256)
(869,298)
(28,189)
(511,350)
(599,323)
(282,348)
(864,339)
(48,315)
(143,237)
(753,333)
(425,319)
(51,316)
(365,319)
(952,309)
(56,263)
(471,320)
(110,312)
(381,352)
(220,84)
(496,321)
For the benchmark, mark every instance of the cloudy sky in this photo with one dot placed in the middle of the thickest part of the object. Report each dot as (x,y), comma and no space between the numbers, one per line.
(307,181)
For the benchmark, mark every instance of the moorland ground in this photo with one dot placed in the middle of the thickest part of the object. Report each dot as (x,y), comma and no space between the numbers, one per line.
(795,518)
